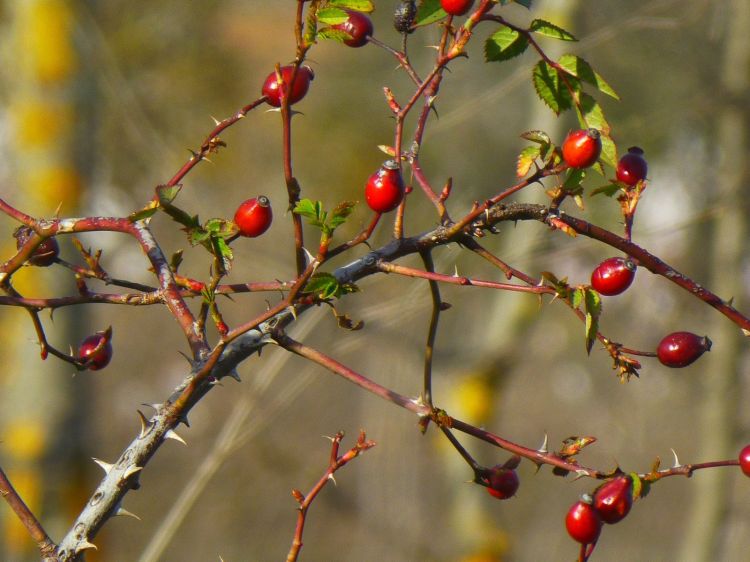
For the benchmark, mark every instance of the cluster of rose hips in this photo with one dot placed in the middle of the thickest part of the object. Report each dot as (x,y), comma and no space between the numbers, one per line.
(581,149)
(610,504)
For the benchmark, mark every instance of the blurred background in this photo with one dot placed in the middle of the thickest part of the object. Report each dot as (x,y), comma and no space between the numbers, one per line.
(101,101)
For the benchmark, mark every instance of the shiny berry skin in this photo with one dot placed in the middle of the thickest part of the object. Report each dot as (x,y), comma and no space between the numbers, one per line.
(583,523)
(613,276)
(456,7)
(745,460)
(632,167)
(45,254)
(403,16)
(614,499)
(99,358)
(297,91)
(502,482)
(358,27)
(680,349)
(254,216)
(582,148)
(385,188)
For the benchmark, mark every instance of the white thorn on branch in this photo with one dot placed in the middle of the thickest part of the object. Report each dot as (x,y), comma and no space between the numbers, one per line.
(105,466)
(172,434)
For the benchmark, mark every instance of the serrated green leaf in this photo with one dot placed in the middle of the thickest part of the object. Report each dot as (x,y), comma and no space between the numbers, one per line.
(357,5)
(332,16)
(335,34)
(198,236)
(550,88)
(429,11)
(340,213)
(306,208)
(576,66)
(526,159)
(323,284)
(220,227)
(311,28)
(609,150)
(576,297)
(504,44)
(551,30)
(536,136)
(573,181)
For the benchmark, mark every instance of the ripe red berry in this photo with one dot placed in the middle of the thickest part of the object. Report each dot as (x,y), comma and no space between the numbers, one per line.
(680,349)
(583,523)
(632,167)
(456,7)
(745,460)
(45,254)
(358,26)
(614,498)
(502,482)
(298,89)
(613,276)
(96,350)
(253,216)
(582,148)
(385,188)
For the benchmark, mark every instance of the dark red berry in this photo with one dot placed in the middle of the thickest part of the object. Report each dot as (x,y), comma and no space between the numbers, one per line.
(96,350)
(583,523)
(680,349)
(745,460)
(254,216)
(385,188)
(614,499)
(582,148)
(613,276)
(502,482)
(403,16)
(45,254)
(298,89)
(456,7)
(632,167)
(358,26)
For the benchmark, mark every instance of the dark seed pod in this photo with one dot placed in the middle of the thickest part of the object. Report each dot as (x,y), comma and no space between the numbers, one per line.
(403,16)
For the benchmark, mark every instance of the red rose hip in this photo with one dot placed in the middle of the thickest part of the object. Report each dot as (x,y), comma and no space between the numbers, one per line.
(385,188)
(745,460)
(680,349)
(613,276)
(96,350)
(45,254)
(456,7)
(632,167)
(502,481)
(583,523)
(271,87)
(582,148)
(614,499)
(253,216)
(358,26)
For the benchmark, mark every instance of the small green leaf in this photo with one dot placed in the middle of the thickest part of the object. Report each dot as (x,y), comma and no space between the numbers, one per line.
(572,183)
(550,88)
(609,190)
(637,485)
(335,34)
(576,297)
(551,30)
(332,16)
(220,227)
(576,66)
(357,5)
(322,284)
(144,213)
(429,11)
(311,28)
(593,311)
(504,44)
(536,136)
(340,213)
(168,193)
(526,159)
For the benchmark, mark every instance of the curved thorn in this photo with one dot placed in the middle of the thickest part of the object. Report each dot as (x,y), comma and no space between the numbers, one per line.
(105,466)
(85,545)
(172,434)
(120,511)
(130,471)
(145,425)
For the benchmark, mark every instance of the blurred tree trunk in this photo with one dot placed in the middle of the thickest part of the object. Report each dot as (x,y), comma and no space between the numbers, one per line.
(39,405)
(716,416)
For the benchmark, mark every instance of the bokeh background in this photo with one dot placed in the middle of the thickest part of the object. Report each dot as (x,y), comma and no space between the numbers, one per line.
(100,102)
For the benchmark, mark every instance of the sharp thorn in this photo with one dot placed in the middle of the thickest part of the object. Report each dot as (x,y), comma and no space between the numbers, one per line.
(332,479)
(676,460)
(216,121)
(85,545)
(105,466)
(235,375)
(124,512)
(172,434)
(145,425)
(130,471)
(543,448)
